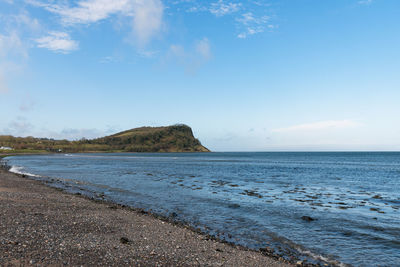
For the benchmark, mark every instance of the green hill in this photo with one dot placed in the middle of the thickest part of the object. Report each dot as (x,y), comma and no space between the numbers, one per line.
(176,138)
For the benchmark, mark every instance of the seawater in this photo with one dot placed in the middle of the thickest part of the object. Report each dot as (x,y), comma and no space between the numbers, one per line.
(253,199)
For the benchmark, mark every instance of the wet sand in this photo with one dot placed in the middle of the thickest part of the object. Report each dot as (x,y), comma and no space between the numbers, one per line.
(40,225)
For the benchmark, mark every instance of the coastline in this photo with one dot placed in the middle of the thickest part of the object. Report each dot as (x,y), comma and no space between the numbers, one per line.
(42,225)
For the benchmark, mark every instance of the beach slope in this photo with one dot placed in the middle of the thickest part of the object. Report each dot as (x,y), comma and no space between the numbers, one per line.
(40,225)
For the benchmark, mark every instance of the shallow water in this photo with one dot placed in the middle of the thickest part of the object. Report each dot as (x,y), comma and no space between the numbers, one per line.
(253,199)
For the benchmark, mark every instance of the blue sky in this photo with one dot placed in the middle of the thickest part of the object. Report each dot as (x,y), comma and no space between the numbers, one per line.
(245,75)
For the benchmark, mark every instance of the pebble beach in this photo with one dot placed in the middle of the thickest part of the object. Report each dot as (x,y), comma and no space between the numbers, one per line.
(43,226)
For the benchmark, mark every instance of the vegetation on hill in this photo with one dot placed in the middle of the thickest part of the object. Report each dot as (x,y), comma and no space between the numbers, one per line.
(176,138)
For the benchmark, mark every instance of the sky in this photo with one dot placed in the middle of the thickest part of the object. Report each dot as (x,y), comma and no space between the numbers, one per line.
(256,75)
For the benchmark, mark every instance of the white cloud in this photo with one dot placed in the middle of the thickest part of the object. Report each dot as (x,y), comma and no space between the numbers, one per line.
(147,20)
(317,126)
(221,8)
(58,42)
(89,11)
(147,15)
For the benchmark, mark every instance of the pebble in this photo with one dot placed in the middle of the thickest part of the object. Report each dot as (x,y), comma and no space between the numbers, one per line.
(71,230)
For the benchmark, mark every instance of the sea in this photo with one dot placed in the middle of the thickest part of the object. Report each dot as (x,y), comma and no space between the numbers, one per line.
(334,208)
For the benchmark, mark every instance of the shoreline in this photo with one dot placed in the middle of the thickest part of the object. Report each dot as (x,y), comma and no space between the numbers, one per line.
(75,229)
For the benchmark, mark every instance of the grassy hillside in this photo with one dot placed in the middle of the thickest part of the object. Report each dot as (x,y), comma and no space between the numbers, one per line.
(176,138)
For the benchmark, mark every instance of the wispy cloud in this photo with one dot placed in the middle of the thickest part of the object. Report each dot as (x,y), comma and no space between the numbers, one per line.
(249,17)
(365,2)
(3,84)
(27,103)
(12,54)
(222,8)
(321,125)
(203,48)
(76,134)
(25,21)
(11,45)
(21,126)
(193,58)
(147,53)
(253,24)
(59,42)
(15,34)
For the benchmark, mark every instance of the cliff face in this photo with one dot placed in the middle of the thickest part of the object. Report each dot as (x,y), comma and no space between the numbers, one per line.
(176,138)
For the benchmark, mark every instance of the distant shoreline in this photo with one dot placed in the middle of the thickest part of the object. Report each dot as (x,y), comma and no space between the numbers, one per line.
(174,138)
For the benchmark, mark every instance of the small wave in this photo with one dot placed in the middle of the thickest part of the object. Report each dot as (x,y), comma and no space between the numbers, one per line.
(19,170)
(322,258)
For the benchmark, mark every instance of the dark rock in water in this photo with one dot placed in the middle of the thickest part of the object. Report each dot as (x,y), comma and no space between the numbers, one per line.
(234,206)
(267,250)
(251,193)
(124,240)
(308,218)
(174,215)
(347,233)
(377,197)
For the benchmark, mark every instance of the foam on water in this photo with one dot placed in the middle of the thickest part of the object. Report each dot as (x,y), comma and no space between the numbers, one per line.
(20,170)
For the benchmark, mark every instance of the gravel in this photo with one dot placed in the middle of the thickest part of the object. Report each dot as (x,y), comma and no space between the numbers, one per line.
(42,226)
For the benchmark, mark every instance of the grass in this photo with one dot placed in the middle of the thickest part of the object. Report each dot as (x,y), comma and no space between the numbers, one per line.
(176,138)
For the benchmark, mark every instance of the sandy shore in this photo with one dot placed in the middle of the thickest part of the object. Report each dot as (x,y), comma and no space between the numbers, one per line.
(40,225)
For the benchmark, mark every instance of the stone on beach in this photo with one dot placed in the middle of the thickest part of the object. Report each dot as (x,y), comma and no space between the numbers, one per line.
(44,226)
